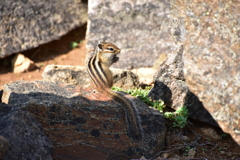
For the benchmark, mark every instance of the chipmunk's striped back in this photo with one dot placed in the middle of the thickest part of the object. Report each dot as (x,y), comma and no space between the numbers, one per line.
(98,69)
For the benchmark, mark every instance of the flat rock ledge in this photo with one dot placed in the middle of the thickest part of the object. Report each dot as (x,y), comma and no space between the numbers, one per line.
(77,75)
(80,122)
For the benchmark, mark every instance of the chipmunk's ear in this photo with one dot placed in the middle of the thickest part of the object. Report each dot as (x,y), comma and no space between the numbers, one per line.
(100,46)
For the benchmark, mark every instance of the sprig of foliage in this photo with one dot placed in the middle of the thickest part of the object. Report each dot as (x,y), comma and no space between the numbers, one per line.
(75,44)
(142,94)
(179,116)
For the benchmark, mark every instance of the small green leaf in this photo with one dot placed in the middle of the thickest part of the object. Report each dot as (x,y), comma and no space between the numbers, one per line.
(74,45)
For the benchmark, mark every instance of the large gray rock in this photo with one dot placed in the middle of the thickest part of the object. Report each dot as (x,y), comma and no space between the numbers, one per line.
(206,62)
(24,134)
(25,24)
(80,122)
(138,28)
(212,57)
(170,85)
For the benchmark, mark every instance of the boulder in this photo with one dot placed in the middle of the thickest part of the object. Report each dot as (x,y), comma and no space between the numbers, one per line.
(26,24)
(25,136)
(21,64)
(203,70)
(139,28)
(212,56)
(80,122)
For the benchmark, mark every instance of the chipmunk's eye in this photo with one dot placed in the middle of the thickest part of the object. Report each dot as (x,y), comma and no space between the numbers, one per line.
(110,48)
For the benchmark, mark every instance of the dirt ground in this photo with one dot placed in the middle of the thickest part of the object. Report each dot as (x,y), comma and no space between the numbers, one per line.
(199,141)
(189,143)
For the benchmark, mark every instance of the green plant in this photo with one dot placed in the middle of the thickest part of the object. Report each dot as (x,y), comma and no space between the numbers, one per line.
(204,149)
(186,150)
(142,94)
(208,139)
(224,135)
(179,116)
(74,44)
(40,65)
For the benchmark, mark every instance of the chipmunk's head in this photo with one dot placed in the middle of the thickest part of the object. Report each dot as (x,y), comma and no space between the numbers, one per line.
(108,53)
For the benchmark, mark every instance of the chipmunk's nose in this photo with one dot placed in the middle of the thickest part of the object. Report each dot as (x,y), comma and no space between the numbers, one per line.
(118,50)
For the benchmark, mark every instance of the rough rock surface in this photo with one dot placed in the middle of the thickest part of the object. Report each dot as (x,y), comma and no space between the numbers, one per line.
(138,28)
(170,86)
(25,135)
(77,75)
(4,144)
(81,122)
(212,57)
(205,62)
(26,24)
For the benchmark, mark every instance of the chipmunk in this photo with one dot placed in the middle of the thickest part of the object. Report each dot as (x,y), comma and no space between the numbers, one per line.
(101,76)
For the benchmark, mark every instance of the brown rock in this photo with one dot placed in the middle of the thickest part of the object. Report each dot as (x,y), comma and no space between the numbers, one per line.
(21,64)
(77,75)
(4,143)
(82,122)
(211,133)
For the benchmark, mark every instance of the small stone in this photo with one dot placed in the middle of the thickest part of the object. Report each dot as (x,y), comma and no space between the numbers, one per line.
(21,64)
(165,155)
(191,153)
(211,133)
(186,138)
(145,75)
(229,154)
